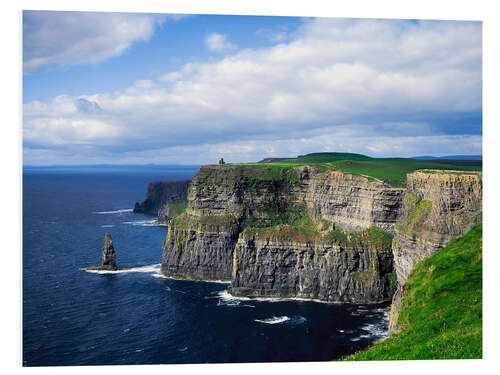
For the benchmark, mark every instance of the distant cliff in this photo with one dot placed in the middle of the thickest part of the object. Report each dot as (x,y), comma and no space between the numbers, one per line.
(165,199)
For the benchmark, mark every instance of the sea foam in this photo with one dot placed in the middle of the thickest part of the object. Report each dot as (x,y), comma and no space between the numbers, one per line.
(114,212)
(224,295)
(379,330)
(154,268)
(144,223)
(273,320)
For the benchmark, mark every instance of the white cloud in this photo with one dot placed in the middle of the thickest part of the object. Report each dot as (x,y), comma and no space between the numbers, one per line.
(218,43)
(71,38)
(254,150)
(274,35)
(345,81)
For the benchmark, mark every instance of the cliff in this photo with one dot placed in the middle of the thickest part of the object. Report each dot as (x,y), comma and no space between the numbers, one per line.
(247,224)
(165,199)
(442,318)
(199,247)
(438,207)
(290,262)
(316,233)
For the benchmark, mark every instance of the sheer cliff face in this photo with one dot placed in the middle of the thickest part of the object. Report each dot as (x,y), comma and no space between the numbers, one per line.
(228,199)
(159,195)
(438,207)
(353,202)
(250,194)
(237,226)
(200,248)
(279,263)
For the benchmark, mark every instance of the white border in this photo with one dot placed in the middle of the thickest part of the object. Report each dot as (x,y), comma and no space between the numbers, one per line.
(12,158)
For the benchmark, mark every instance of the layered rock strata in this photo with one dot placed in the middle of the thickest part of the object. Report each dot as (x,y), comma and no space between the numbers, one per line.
(248,225)
(199,248)
(438,207)
(223,201)
(354,202)
(284,262)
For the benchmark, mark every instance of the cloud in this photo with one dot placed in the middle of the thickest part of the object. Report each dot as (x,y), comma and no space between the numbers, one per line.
(384,87)
(72,38)
(86,106)
(274,35)
(218,43)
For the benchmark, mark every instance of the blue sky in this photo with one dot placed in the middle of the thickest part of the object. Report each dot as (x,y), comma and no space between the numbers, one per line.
(143,88)
(174,43)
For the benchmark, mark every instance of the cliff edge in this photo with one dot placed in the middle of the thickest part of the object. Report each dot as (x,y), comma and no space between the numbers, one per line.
(164,199)
(438,207)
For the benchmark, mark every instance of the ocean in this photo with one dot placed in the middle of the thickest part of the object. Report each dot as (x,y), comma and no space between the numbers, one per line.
(134,316)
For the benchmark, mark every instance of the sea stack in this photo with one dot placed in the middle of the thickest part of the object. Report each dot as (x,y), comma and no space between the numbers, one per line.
(108,254)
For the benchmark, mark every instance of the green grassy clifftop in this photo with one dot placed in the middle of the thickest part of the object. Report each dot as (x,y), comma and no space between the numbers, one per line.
(442,307)
(389,170)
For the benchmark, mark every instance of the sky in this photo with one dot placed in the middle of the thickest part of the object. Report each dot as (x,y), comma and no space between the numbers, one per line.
(122,88)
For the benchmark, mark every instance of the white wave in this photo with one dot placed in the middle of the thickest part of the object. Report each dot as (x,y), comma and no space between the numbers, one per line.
(143,223)
(107,226)
(114,212)
(379,330)
(154,268)
(200,281)
(273,320)
(224,295)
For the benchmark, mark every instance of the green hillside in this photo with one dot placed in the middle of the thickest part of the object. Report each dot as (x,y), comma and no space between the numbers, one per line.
(390,170)
(442,307)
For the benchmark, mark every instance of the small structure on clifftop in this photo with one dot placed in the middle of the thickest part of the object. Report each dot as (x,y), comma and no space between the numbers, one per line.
(108,256)
(221,161)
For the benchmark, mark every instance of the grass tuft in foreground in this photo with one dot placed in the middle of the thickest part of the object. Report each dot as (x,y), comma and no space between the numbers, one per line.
(442,307)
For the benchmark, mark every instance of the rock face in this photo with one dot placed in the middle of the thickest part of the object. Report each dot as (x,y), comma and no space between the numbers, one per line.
(199,248)
(304,232)
(263,195)
(282,263)
(209,241)
(163,199)
(353,202)
(108,254)
(438,207)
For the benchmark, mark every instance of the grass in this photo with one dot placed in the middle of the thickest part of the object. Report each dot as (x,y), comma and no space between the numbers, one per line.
(416,211)
(307,230)
(175,209)
(390,170)
(442,307)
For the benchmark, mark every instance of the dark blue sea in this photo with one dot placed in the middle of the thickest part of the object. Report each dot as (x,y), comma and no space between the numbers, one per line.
(73,317)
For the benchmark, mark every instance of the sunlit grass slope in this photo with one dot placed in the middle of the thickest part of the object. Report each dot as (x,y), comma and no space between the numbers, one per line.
(390,170)
(442,307)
